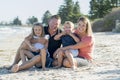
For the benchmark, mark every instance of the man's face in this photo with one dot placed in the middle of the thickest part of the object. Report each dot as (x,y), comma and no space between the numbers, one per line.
(54,24)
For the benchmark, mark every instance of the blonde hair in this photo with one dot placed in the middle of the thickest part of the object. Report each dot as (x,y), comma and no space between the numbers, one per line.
(88,25)
(69,23)
(40,25)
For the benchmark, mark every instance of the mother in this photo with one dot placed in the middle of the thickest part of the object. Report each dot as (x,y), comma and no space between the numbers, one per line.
(85,46)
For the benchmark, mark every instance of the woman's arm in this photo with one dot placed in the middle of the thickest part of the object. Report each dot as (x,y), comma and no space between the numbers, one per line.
(76,46)
(74,37)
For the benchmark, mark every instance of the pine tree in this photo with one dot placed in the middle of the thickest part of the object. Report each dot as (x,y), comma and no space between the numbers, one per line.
(46,17)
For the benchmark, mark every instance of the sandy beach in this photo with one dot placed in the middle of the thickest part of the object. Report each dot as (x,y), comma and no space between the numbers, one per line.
(106,64)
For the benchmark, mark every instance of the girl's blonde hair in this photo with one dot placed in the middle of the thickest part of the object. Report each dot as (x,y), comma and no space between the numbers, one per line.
(88,25)
(40,25)
(69,23)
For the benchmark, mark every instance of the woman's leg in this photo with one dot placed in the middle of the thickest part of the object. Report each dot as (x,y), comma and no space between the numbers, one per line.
(43,57)
(27,64)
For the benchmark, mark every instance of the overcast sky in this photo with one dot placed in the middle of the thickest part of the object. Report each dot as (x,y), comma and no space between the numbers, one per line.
(9,9)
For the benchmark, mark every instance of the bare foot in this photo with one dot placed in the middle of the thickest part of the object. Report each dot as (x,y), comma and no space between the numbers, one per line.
(56,67)
(73,67)
(43,69)
(15,68)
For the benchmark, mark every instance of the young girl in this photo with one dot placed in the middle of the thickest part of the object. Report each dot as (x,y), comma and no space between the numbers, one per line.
(34,44)
(68,38)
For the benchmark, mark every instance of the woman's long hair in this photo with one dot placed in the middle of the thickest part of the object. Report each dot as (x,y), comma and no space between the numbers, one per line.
(88,25)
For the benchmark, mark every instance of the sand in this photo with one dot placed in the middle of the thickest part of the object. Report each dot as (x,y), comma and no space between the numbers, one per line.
(106,64)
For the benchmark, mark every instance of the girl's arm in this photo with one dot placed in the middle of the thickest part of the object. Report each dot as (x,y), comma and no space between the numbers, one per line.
(46,44)
(74,37)
(57,37)
(28,42)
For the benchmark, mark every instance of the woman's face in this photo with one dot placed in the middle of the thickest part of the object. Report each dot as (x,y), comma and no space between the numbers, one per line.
(38,30)
(54,24)
(67,28)
(81,27)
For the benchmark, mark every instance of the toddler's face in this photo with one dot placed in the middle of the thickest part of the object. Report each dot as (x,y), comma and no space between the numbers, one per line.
(68,28)
(38,30)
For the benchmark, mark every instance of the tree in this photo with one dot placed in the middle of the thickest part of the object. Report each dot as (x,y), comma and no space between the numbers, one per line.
(99,8)
(16,21)
(46,16)
(115,3)
(69,11)
(76,12)
(66,10)
(32,20)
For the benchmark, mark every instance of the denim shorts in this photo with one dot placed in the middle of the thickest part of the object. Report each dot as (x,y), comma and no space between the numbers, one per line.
(35,53)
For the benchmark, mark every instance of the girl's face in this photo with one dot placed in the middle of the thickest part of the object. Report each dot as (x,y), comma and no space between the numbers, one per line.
(81,27)
(68,28)
(38,30)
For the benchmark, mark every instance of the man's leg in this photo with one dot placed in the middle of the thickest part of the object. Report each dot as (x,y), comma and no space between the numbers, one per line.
(60,56)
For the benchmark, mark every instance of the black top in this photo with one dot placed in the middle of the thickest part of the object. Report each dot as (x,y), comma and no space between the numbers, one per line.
(53,45)
(67,40)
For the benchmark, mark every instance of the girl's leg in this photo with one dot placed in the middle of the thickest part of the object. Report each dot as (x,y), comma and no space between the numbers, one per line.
(43,57)
(17,56)
(16,59)
(27,64)
(24,54)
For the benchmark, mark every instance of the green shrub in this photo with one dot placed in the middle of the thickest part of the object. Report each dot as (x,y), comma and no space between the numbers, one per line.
(108,22)
(98,25)
(111,18)
(117,28)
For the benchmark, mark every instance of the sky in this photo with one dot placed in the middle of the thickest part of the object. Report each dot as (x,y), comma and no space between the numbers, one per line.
(10,9)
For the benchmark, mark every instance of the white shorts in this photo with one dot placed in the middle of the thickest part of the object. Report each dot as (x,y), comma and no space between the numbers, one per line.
(74,52)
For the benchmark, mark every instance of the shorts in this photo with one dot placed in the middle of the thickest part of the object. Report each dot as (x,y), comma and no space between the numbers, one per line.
(49,62)
(35,53)
(74,52)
